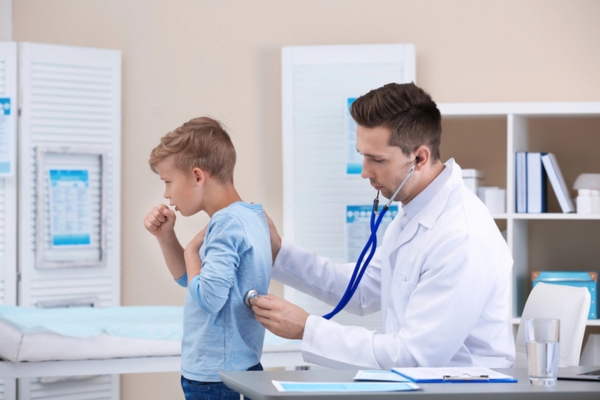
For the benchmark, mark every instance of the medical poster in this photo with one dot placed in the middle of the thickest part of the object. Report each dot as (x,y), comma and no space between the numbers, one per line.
(358,228)
(7,139)
(70,207)
(353,157)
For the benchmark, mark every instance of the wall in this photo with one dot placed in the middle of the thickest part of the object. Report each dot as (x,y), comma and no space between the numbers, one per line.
(186,58)
(5,20)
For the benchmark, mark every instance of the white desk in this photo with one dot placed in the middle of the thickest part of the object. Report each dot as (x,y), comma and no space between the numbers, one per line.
(257,385)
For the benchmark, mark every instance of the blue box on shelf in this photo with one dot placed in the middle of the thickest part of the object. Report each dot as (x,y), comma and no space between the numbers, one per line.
(587,280)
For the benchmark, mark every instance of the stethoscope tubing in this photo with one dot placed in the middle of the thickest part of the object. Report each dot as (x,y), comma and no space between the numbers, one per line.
(361,267)
(371,246)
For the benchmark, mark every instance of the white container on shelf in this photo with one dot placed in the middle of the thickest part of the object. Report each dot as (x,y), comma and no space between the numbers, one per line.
(473,178)
(584,201)
(588,193)
(494,198)
(595,195)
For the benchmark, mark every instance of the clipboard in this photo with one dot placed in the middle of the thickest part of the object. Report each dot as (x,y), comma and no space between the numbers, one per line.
(454,375)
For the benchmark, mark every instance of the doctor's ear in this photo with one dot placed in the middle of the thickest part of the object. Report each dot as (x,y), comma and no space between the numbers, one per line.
(422,155)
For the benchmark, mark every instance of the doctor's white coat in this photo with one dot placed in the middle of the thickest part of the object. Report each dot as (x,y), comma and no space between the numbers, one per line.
(442,284)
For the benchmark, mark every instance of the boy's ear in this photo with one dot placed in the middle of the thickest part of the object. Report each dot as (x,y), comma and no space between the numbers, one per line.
(199,175)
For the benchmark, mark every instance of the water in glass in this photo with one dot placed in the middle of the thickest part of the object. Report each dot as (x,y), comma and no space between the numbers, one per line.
(543,362)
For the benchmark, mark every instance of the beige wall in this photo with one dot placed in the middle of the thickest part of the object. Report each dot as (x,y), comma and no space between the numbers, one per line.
(5,20)
(183,59)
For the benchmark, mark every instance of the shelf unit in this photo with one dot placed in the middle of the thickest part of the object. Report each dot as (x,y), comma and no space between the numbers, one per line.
(485,136)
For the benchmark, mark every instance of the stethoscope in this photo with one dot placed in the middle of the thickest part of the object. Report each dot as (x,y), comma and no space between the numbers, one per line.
(359,268)
(250,294)
(371,246)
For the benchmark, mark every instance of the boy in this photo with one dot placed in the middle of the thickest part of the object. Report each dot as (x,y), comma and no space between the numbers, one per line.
(196,163)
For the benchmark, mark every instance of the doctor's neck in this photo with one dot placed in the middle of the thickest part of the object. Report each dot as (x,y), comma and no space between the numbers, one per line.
(427,174)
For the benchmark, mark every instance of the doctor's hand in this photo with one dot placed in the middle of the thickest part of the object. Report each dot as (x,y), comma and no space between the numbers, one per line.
(275,238)
(160,220)
(280,316)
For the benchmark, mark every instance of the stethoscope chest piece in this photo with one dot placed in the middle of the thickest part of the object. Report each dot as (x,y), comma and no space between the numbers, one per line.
(250,294)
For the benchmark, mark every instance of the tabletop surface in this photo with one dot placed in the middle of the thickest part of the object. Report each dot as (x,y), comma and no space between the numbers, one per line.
(258,386)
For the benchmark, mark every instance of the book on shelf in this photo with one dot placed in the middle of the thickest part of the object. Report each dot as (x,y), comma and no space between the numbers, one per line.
(558,183)
(521,181)
(537,201)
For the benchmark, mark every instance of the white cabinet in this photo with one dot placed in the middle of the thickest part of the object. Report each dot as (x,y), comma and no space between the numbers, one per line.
(486,137)
(8,182)
(70,120)
(8,191)
(69,107)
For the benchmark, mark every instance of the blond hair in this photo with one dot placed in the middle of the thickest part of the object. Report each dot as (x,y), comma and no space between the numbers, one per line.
(199,143)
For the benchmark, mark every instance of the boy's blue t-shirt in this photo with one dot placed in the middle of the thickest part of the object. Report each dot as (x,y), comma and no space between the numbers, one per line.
(219,331)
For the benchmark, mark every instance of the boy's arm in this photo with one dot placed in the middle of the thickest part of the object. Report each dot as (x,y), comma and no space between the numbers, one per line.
(224,245)
(173,254)
(160,222)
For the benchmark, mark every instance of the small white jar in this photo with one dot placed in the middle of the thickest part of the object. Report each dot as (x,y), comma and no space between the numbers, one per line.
(595,200)
(584,201)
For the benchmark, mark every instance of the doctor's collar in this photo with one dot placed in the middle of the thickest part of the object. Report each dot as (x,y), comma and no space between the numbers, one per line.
(422,199)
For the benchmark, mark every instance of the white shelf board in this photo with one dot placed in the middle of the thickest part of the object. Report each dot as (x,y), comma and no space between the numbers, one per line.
(590,322)
(554,109)
(548,216)
(557,216)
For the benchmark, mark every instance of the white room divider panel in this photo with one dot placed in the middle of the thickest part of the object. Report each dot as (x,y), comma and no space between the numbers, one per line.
(322,187)
(70,100)
(8,191)
(69,135)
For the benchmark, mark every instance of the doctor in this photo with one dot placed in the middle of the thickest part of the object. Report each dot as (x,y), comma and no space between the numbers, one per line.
(441,276)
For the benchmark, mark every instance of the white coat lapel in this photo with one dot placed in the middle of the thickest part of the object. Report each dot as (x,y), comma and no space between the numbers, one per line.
(407,233)
(387,245)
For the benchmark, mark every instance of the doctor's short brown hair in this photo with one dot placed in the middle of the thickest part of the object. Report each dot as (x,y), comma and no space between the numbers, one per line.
(202,143)
(407,111)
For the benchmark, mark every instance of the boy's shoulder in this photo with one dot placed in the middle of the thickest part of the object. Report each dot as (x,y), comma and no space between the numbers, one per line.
(238,210)
(239,219)
(239,207)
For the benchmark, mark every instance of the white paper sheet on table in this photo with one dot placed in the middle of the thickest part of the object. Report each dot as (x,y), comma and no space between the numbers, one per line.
(31,334)
(379,375)
(347,387)
(141,322)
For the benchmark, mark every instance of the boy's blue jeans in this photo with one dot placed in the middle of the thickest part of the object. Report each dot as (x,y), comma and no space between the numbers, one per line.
(194,390)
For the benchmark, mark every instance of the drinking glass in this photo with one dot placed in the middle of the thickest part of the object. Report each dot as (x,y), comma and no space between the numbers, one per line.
(543,349)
